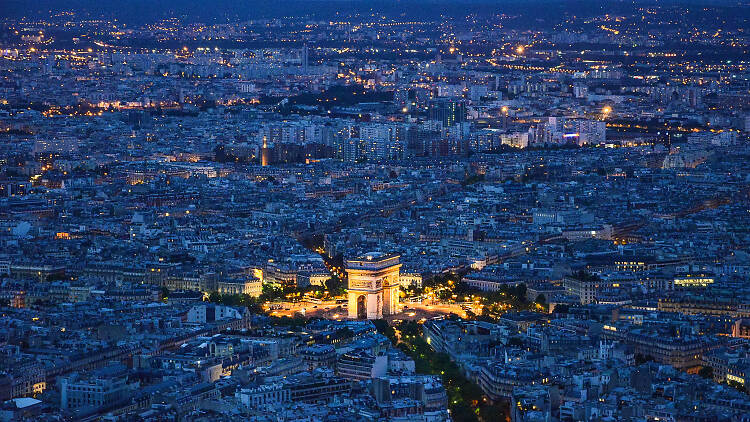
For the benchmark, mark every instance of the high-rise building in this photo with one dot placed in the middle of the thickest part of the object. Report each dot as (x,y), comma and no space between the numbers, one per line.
(305,54)
(590,131)
(351,149)
(447,111)
(265,153)
(373,285)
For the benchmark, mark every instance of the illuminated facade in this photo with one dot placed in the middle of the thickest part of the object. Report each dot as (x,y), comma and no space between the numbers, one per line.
(373,285)
(693,280)
(265,153)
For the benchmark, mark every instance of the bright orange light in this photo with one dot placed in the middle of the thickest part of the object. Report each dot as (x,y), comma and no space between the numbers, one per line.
(606,110)
(520,49)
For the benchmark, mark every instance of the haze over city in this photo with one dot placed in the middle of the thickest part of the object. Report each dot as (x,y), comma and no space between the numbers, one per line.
(385,211)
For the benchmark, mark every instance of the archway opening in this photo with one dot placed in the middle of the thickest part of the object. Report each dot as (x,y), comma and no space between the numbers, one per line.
(361,307)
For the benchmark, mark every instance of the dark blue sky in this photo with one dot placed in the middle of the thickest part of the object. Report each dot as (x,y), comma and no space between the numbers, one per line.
(148,10)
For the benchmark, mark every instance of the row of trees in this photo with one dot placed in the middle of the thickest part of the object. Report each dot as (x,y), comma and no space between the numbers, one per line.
(253,304)
(465,399)
(332,287)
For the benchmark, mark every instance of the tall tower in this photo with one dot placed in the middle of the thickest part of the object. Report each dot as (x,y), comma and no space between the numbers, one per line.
(265,153)
(373,285)
(305,54)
